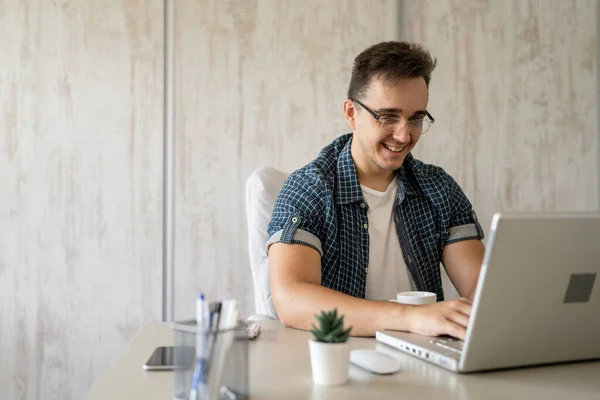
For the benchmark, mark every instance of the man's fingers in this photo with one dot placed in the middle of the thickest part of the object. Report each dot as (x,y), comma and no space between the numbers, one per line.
(462,307)
(456,330)
(459,318)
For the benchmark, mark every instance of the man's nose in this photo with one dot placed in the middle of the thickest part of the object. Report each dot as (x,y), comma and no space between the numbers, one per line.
(402,135)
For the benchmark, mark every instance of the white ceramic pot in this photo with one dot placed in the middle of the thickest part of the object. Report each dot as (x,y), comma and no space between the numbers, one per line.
(329,362)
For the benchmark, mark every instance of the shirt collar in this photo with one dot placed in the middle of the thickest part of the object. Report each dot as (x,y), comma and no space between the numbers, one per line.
(407,180)
(348,188)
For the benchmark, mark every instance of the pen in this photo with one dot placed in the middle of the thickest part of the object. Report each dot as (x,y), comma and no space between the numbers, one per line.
(196,379)
(199,344)
(205,315)
(200,310)
(203,321)
(217,316)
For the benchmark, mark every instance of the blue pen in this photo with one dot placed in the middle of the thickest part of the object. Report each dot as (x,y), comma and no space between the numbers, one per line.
(203,321)
(205,315)
(196,379)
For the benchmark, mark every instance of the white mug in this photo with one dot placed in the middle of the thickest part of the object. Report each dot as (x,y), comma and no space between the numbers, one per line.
(415,298)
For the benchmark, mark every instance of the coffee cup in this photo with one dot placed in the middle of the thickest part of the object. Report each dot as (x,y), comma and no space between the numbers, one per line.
(415,298)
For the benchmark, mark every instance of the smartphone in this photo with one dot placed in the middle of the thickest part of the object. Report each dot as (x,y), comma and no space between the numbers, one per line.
(166,358)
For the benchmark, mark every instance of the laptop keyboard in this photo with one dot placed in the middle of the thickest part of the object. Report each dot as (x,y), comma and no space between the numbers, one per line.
(455,345)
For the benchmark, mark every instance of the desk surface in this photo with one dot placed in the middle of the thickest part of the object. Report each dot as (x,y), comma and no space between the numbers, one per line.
(280,368)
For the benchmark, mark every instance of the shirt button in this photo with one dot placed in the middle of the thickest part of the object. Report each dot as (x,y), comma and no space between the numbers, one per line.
(362,205)
(367,270)
(295,219)
(437,235)
(366,226)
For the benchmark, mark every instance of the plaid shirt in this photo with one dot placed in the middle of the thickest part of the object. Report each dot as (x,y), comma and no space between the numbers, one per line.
(321,205)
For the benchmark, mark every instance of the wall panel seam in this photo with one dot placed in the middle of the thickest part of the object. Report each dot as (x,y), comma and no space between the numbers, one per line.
(168,163)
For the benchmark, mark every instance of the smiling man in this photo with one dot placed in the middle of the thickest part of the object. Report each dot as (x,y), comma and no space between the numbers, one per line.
(366,220)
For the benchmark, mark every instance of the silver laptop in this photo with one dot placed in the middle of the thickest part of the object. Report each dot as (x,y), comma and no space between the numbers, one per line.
(537,299)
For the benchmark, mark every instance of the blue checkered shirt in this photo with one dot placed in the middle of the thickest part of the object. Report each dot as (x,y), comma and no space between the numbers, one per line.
(321,205)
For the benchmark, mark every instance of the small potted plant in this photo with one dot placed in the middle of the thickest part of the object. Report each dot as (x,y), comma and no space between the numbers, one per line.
(330,350)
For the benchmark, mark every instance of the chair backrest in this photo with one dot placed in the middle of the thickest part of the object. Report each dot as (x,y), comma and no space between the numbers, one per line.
(262,187)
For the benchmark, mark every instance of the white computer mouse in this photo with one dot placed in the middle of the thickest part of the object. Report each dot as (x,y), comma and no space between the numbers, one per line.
(374,361)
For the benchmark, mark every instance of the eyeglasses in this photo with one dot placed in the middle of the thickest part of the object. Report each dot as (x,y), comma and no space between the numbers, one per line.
(391,124)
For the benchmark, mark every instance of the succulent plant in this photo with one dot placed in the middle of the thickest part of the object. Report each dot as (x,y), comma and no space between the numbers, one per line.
(331,328)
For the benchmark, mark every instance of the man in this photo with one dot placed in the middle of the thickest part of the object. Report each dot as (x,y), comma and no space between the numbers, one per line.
(366,220)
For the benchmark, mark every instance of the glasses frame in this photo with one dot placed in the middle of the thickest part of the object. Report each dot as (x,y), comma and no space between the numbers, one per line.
(377,117)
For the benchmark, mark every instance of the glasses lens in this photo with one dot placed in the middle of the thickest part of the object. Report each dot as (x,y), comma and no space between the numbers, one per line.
(416,127)
(419,126)
(390,126)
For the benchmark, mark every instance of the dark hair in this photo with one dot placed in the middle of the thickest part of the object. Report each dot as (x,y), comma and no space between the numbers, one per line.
(389,61)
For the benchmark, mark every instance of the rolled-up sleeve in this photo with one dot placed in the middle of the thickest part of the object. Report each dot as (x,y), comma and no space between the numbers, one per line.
(463,224)
(297,215)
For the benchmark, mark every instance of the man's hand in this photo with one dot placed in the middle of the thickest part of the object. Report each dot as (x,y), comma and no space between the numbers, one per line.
(443,318)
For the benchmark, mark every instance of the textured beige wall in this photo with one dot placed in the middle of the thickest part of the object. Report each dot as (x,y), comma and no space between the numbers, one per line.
(258,83)
(514,97)
(80,179)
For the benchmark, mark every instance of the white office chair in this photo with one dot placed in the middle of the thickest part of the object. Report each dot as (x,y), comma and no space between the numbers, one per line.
(262,187)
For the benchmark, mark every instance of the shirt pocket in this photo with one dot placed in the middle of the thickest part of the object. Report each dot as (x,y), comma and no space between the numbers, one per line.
(434,240)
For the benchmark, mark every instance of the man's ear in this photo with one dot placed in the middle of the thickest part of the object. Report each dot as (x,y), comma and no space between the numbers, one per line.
(350,113)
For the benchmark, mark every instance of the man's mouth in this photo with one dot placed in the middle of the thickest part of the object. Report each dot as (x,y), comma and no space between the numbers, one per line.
(395,149)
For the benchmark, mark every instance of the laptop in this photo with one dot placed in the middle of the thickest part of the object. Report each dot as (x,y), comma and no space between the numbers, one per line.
(537,299)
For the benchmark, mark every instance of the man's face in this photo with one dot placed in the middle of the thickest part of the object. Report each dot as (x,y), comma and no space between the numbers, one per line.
(400,102)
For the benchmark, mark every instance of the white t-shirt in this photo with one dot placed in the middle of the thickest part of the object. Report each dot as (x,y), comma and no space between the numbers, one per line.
(387,273)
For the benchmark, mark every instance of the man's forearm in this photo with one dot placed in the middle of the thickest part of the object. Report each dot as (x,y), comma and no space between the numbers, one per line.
(462,261)
(298,303)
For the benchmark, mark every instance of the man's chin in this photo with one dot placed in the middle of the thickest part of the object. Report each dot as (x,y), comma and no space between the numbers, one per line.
(389,167)
(392,164)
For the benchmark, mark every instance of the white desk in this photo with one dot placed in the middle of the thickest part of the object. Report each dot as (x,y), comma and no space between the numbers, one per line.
(280,369)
